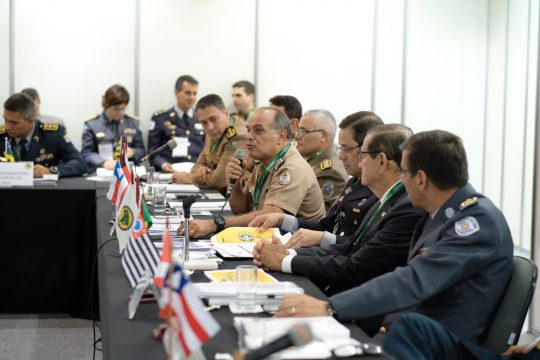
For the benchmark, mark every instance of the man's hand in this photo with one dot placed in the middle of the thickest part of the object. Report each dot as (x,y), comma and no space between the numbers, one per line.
(179,177)
(39,170)
(266,221)
(233,169)
(200,175)
(302,305)
(109,164)
(257,249)
(130,152)
(518,350)
(167,168)
(198,228)
(272,254)
(305,238)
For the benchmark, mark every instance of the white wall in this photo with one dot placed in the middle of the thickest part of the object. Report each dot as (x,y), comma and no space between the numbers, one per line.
(4,49)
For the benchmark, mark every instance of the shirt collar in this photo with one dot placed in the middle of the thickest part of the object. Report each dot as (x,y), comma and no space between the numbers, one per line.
(181,113)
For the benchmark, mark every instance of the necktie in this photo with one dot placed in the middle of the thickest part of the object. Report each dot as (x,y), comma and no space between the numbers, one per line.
(186,119)
(22,149)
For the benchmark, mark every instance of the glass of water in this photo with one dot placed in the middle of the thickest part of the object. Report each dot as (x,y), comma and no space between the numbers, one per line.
(160,196)
(150,175)
(246,277)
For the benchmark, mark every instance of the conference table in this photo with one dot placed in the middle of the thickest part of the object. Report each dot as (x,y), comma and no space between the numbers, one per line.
(48,246)
(133,339)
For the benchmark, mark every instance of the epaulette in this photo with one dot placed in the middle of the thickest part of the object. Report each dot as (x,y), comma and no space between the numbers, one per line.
(133,117)
(326,164)
(230,132)
(50,126)
(469,202)
(159,112)
(91,117)
(2,129)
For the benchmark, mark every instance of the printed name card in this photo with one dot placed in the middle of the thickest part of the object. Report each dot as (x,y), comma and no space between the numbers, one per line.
(16,174)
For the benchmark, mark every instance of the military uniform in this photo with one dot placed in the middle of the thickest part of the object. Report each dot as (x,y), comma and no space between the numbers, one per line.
(460,262)
(347,213)
(244,115)
(101,137)
(330,173)
(215,155)
(168,124)
(290,185)
(49,147)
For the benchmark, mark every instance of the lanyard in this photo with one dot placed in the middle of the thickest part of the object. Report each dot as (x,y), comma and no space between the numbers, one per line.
(340,212)
(395,189)
(318,153)
(262,179)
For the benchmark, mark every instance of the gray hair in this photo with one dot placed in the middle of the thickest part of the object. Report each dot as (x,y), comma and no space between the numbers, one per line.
(325,120)
(280,121)
(22,103)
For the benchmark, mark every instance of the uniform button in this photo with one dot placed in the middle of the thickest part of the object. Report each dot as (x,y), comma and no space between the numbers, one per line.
(189,157)
(188,132)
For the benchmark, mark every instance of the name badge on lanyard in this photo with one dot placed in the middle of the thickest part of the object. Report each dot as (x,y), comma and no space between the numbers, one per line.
(105,150)
(181,149)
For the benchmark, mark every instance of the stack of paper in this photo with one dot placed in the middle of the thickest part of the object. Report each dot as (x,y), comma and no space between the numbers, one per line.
(327,333)
(238,242)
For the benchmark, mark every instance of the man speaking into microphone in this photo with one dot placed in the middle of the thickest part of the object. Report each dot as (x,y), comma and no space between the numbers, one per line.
(224,134)
(281,181)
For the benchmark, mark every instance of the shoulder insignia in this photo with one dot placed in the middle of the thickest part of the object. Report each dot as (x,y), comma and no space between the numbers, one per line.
(284,177)
(2,130)
(278,163)
(466,226)
(133,117)
(326,164)
(50,126)
(172,114)
(230,132)
(364,200)
(91,117)
(469,202)
(100,134)
(356,210)
(159,112)
(327,189)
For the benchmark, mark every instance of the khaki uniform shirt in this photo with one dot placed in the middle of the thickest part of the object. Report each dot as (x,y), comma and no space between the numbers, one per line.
(330,173)
(290,185)
(216,159)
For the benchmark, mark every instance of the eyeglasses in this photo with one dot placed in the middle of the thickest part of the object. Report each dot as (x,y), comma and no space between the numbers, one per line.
(355,350)
(346,149)
(364,153)
(302,131)
(403,172)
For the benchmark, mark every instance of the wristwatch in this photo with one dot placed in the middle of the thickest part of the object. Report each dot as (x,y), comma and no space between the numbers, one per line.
(220,223)
(53,170)
(331,310)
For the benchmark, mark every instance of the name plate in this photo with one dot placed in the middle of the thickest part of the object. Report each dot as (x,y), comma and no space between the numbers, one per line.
(16,174)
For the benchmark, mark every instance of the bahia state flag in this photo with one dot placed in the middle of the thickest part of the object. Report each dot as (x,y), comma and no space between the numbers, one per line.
(8,152)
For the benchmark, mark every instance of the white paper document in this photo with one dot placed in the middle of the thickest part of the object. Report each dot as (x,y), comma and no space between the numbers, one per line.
(182,188)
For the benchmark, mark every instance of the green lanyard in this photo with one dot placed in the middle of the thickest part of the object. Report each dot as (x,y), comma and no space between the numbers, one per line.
(395,189)
(340,212)
(215,143)
(317,154)
(262,179)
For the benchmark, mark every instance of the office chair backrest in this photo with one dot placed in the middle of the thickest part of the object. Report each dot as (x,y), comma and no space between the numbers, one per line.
(509,317)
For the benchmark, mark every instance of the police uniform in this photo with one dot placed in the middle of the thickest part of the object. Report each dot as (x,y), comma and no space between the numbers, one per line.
(215,155)
(168,124)
(459,264)
(101,137)
(330,173)
(290,185)
(49,147)
(345,216)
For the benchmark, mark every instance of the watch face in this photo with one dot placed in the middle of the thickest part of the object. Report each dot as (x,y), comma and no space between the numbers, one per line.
(219,220)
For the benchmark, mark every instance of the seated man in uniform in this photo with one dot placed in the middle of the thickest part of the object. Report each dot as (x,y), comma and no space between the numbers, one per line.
(380,243)
(178,123)
(290,106)
(102,133)
(460,258)
(224,134)
(243,94)
(31,140)
(352,205)
(315,142)
(281,182)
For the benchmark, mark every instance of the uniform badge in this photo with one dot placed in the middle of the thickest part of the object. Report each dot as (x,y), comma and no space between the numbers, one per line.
(466,226)
(469,202)
(327,189)
(342,233)
(230,132)
(50,126)
(27,166)
(188,132)
(100,134)
(449,212)
(355,210)
(198,127)
(362,202)
(278,163)
(36,138)
(152,125)
(171,114)
(125,219)
(285,177)
(348,190)
(326,164)
(167,123)
(2,130)
(42,151)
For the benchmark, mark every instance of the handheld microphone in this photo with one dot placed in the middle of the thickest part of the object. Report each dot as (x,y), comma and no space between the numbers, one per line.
(298,335)
(240,154)
(171,144)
